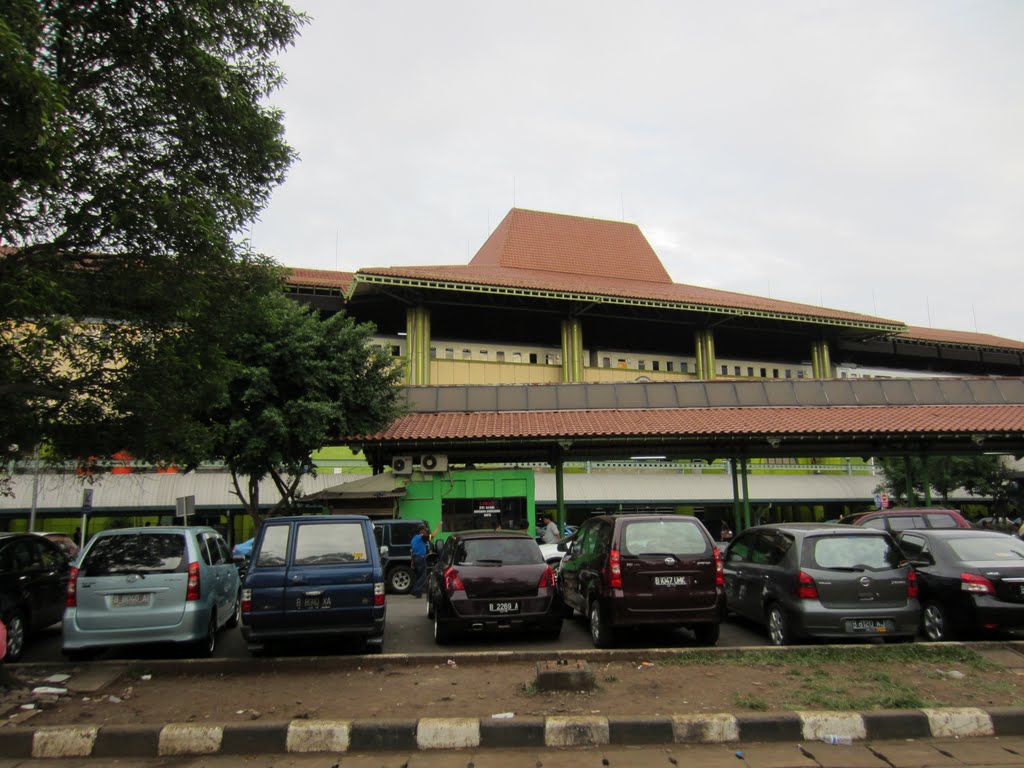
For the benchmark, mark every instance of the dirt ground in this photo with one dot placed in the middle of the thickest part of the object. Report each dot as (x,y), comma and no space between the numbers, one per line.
(855,678)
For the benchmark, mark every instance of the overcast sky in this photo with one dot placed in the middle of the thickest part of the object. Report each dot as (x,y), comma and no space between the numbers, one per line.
(864,155)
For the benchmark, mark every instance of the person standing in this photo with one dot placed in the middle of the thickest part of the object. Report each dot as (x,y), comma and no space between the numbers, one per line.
(550,535)
(420,545)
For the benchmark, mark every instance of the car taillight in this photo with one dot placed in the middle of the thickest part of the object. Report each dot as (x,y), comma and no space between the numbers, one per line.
(192,590)
(547,579)
(452,582)
(615,569)
(912,589)
(970,582)
(71,598)
(719,569)
(806,589)
(378,593)
(246,601)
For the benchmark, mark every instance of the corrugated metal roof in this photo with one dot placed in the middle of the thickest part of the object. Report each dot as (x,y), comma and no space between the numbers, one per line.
(63,492)
(672,488)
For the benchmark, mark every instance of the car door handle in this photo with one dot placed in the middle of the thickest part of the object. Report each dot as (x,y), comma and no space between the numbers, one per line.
(298,580)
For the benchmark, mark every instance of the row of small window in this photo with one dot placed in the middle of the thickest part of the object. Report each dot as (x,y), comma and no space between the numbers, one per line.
(764,373)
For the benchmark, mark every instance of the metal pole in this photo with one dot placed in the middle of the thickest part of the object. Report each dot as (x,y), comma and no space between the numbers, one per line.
(926,479)
(737,521)
(35,489)
(746,492)
(908,471)
(560,495)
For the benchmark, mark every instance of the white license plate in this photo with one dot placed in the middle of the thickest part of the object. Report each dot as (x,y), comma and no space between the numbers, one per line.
(131,600)
(312,602)
(868,625)
(669,581)
(504,607)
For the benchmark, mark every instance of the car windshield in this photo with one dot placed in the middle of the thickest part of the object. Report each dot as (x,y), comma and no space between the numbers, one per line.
(663,537)
(330,544)
(988,548)
(853,553)
(498,552)
(135,553)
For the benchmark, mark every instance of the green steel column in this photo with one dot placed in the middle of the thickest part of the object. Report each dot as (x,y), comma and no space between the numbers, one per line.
(737,521)
(926,480)
(908,471)
(417,340)
(709,352)
(821,360)
(746,493)
(566,352)
(698,352)
(826,361)
(560,494)
(815,361)
(704,346)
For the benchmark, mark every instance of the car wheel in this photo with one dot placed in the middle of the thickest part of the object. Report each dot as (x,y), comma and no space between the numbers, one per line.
(431,610)
(706,634)
(778,629)
(17,632)
(442,632)
(400,580)
(935,623)
(236,614)
(204,646)
(600,632)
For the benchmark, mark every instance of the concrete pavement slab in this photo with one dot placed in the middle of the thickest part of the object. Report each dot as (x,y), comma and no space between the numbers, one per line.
(980,751)
(775,756)
(854,756)
(913,754)
(706,755)
(94,678)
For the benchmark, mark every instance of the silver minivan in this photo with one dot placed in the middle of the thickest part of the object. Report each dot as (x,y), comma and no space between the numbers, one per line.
(821,580)
(151,585)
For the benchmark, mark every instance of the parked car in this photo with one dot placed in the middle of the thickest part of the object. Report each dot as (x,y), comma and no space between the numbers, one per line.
(492,581)
(969,581)
(160,584)
(243,548)
(821,580)
(314,577)
(643,570)
(893,520)
(34,575)
(394,537)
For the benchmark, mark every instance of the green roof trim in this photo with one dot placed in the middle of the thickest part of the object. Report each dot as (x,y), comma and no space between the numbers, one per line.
(540,293)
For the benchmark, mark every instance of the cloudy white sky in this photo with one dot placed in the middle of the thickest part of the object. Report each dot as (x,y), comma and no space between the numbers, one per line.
(864,155)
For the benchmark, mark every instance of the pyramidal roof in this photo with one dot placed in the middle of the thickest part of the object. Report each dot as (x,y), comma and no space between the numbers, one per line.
(553,242)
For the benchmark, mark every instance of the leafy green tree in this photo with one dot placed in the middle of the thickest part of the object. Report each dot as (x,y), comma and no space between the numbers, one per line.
(979,474)
(136,146)
(299,383)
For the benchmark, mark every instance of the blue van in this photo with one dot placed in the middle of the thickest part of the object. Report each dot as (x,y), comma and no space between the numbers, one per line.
(314,577)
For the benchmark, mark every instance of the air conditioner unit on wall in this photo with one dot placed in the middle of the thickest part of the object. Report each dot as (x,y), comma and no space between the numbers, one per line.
(401,465)
(434,462)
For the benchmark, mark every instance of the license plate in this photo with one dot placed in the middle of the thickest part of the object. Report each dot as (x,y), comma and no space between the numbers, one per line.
(131,600)
(669,581)
(312,602)
(505,607)
(872,626)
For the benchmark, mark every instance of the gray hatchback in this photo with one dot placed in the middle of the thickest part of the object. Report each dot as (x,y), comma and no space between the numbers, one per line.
(820,580)
(151,585)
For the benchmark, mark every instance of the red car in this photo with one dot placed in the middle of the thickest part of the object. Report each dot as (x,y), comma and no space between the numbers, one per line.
(895,520)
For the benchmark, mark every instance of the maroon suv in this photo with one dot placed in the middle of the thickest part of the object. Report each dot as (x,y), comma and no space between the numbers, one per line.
(907,518)
(643,570)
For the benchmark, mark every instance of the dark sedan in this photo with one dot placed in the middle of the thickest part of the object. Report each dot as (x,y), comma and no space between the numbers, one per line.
(34,577)
(970,581)
(489,581)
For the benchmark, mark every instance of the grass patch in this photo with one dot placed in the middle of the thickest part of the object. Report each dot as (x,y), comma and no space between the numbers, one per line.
(749,701)
(872,655)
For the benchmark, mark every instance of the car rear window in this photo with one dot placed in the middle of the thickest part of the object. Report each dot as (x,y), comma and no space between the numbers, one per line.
(988,548)
(856,553)
(330,544)
(943,521)
(663,537)
(498,552)
(136,553)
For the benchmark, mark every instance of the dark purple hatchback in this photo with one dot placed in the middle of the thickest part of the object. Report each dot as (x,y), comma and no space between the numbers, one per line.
(491,581)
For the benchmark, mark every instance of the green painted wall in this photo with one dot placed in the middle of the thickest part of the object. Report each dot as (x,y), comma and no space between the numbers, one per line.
(425,494)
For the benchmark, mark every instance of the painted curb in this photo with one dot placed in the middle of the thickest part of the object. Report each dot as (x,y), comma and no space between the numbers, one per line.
(339,736)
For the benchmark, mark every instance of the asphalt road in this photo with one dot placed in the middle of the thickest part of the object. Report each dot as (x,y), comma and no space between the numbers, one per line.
(409,631)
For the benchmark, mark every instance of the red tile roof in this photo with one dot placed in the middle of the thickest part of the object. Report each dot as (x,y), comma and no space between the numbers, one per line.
(918,333)
(863,420)
(571,245)
(320,278)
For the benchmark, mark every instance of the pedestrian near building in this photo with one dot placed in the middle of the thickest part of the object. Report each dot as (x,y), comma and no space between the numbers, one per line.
(550,535)
(420,546)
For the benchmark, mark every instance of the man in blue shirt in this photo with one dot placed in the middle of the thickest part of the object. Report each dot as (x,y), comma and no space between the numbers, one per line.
(420,545)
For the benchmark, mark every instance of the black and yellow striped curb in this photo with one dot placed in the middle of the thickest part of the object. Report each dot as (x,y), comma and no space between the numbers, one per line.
(338,736)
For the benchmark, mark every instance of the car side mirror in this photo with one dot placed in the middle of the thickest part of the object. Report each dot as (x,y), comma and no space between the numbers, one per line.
(563,545)
(383,550)
(921,560)
(239,560)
